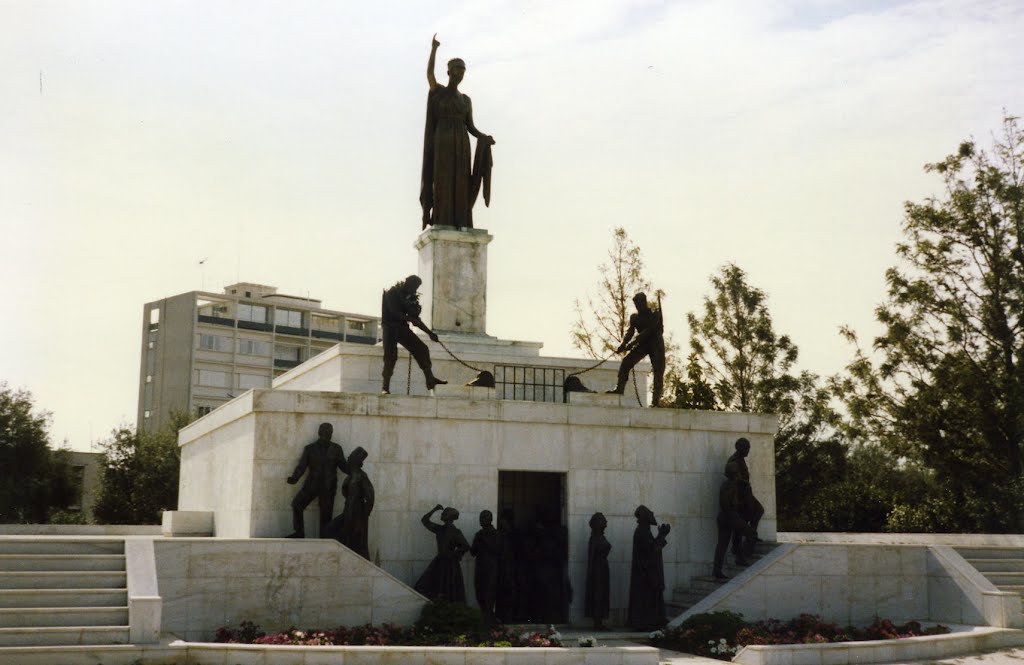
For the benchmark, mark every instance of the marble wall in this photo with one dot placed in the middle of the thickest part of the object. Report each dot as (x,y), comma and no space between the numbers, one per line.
(207,583)
(855,583)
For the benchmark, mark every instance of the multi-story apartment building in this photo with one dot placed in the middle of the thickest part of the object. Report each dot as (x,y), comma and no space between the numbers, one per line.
(201,349)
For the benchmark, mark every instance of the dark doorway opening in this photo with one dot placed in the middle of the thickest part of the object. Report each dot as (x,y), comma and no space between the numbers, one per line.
(532,512)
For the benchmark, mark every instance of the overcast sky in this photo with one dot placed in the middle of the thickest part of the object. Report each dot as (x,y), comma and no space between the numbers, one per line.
(281,141)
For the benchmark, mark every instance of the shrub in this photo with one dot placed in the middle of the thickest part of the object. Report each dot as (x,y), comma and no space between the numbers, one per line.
(442,616)
(388,634)
(722,634)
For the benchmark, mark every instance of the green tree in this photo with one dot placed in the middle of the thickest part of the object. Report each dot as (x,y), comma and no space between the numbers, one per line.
(690,389)
(944,390)
(740,363)
(35,479)
(746,362)
(601,322)
(140,474)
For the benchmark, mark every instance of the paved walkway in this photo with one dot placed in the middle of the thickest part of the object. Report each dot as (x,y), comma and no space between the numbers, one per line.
(1001,657)
(1013,656)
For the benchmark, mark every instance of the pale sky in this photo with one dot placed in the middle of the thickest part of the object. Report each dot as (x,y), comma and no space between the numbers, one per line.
(282,142)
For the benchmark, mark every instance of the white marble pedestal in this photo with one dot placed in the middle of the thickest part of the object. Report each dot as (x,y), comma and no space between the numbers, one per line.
(453,266)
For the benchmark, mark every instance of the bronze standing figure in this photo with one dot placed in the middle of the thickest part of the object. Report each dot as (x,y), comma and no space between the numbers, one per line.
(750,509)
(649,328)
(400,306)
(449,183)
(647,573)
(322,458)
(598,591)
(487,547)
(443,577)
(352,527)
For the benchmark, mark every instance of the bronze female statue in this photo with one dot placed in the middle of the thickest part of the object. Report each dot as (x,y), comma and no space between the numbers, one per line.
(647,573)
(449,183)
(598,589)
(443,577)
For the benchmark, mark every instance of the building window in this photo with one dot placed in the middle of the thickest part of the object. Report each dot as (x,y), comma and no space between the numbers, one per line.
(146,414)
(288,317)
(326,323)
(253,347)
(289,353)
(214,343)
(149,378)
(359,326)
(213,309)
(203,410)
(209,377)
(253,313)
(246,381)
(154,316)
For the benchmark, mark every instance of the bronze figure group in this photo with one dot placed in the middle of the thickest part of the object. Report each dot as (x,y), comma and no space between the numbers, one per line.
(323,458)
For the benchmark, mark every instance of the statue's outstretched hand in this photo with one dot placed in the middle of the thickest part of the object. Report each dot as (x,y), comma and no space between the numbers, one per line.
(664,529)
(432,335)
(292,480)
(433,42)
(490,139)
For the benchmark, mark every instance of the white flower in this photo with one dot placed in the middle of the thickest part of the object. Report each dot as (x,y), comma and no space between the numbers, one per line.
(587,641)
(656,635)
(299,635)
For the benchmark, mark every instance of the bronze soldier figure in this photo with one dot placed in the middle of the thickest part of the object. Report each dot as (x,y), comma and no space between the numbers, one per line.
(400,306)
(648,325)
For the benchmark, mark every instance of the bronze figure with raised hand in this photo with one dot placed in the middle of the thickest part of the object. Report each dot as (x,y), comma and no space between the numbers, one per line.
(449,184)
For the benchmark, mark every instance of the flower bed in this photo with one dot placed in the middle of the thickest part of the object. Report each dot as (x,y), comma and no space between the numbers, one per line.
(389,635)
(722,634)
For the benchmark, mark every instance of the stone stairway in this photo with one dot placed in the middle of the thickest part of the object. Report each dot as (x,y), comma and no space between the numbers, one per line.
(1002,566)
(685,597)
(62,591)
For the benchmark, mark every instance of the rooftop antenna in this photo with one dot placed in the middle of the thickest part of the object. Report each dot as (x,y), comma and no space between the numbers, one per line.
(202,273)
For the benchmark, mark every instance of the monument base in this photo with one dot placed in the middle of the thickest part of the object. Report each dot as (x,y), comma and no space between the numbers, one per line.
(476,454)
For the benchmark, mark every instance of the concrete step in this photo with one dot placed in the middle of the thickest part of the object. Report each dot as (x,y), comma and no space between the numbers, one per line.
(970,553)
(1009,579)
(55,562)
(63,598)
(705,585)
(52,545)
(76,579)
(674,609)
(63,635)
(36,617)
(685,598)
(1016,588)
(998,565)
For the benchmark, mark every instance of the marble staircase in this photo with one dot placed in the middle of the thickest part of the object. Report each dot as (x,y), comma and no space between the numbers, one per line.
(685,597)
(62,591)
(1002,566)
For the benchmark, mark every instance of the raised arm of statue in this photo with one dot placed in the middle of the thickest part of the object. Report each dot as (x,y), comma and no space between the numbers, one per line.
(430,63)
